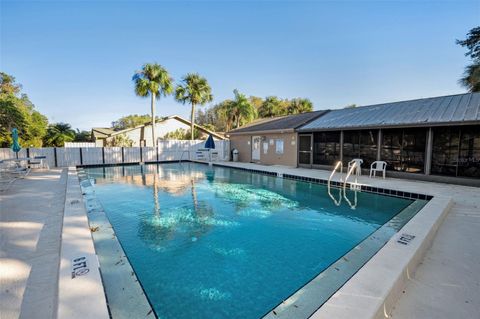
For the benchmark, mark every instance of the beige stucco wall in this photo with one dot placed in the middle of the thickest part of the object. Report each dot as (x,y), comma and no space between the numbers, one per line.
(289,157)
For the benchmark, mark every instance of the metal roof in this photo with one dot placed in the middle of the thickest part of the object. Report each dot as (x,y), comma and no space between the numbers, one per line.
(289,122)
(453,109)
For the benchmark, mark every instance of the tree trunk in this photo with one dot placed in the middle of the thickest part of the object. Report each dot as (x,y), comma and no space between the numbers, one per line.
(192,120)
(238,121)
(154,139)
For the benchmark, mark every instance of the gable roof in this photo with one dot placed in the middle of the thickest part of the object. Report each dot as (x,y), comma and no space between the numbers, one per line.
(449,110)
(102,132)
(108,132)
(279,124)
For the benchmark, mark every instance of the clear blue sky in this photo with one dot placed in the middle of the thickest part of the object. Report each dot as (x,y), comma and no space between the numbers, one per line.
(75,59)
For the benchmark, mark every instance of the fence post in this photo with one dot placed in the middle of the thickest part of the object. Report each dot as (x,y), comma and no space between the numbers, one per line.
(28,152)
(103,155)
(55,156)
(81,156)
(156,151)
(123,156)
(141,155)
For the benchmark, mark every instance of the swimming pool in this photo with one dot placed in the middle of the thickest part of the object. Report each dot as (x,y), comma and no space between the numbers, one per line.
(216,242)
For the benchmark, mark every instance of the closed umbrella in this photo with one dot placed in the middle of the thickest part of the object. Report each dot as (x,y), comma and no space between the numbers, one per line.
(210,144)
(16,145)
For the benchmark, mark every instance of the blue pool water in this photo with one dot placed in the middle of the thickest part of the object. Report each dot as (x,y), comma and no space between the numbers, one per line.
(214,242)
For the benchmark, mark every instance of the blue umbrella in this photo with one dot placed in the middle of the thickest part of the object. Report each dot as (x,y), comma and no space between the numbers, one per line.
(16,145)
(210,142)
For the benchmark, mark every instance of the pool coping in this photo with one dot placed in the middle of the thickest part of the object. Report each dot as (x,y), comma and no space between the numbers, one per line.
(392,265)
(118,275)
(80,287)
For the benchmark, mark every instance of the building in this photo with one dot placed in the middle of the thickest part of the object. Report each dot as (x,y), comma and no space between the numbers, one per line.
(142,135)
(436,139)
(271,141)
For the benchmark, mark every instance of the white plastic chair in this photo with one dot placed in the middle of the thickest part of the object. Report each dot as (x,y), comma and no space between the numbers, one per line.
(358,167)
(378,166)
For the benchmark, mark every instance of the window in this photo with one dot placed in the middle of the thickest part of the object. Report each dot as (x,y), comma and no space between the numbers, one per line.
(404,149)
(279,146)
(326,148)
(456,151)
(360,144)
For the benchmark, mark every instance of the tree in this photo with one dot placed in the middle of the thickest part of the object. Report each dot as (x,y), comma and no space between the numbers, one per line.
(83,136)
(242,109)
(12,114)
(119,141)
(350,106)
(155,81)
(271,107)
(17,111)
(58,134)
(471,76)
(131,121)
(195,90)
(182,134)
(8,85)
(299,105)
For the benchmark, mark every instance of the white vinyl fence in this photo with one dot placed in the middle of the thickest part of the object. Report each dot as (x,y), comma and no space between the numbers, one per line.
(173,150)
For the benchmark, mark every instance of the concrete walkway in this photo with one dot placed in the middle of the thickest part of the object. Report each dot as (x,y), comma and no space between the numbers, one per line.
(31,214)
(447,282)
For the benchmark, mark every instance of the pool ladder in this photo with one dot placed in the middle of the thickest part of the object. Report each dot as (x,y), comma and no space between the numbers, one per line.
(343,190)
(181,157)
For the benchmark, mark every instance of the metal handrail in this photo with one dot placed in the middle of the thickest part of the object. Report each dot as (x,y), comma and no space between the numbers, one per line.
(339,201)
(181,157)
(354,205)
(339,163)
(352,168)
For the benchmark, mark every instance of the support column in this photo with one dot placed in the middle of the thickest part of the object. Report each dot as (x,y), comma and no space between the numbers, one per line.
(341,146)
(55,156)
(429,152)
(379,145)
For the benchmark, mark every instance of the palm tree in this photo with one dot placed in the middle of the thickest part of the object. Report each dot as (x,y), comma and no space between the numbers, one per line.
(242,108)
(471,77)
(155,81)
(300,105)
(58,134)
(195,90)
(271,107)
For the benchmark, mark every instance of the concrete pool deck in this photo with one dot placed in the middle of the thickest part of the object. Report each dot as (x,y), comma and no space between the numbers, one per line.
(445,285)
(31,215)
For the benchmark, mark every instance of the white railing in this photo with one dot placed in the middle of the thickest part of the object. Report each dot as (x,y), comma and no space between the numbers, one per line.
(350,171)
(339,201)
(166,151)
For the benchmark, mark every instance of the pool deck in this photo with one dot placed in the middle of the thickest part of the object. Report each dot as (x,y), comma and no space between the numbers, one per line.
(31,215)
(446,284)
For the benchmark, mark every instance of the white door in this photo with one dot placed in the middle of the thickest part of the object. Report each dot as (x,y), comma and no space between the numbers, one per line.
(256,140)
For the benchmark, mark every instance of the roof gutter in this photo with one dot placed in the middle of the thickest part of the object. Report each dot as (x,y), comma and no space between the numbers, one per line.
(280,131)
(419,125)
